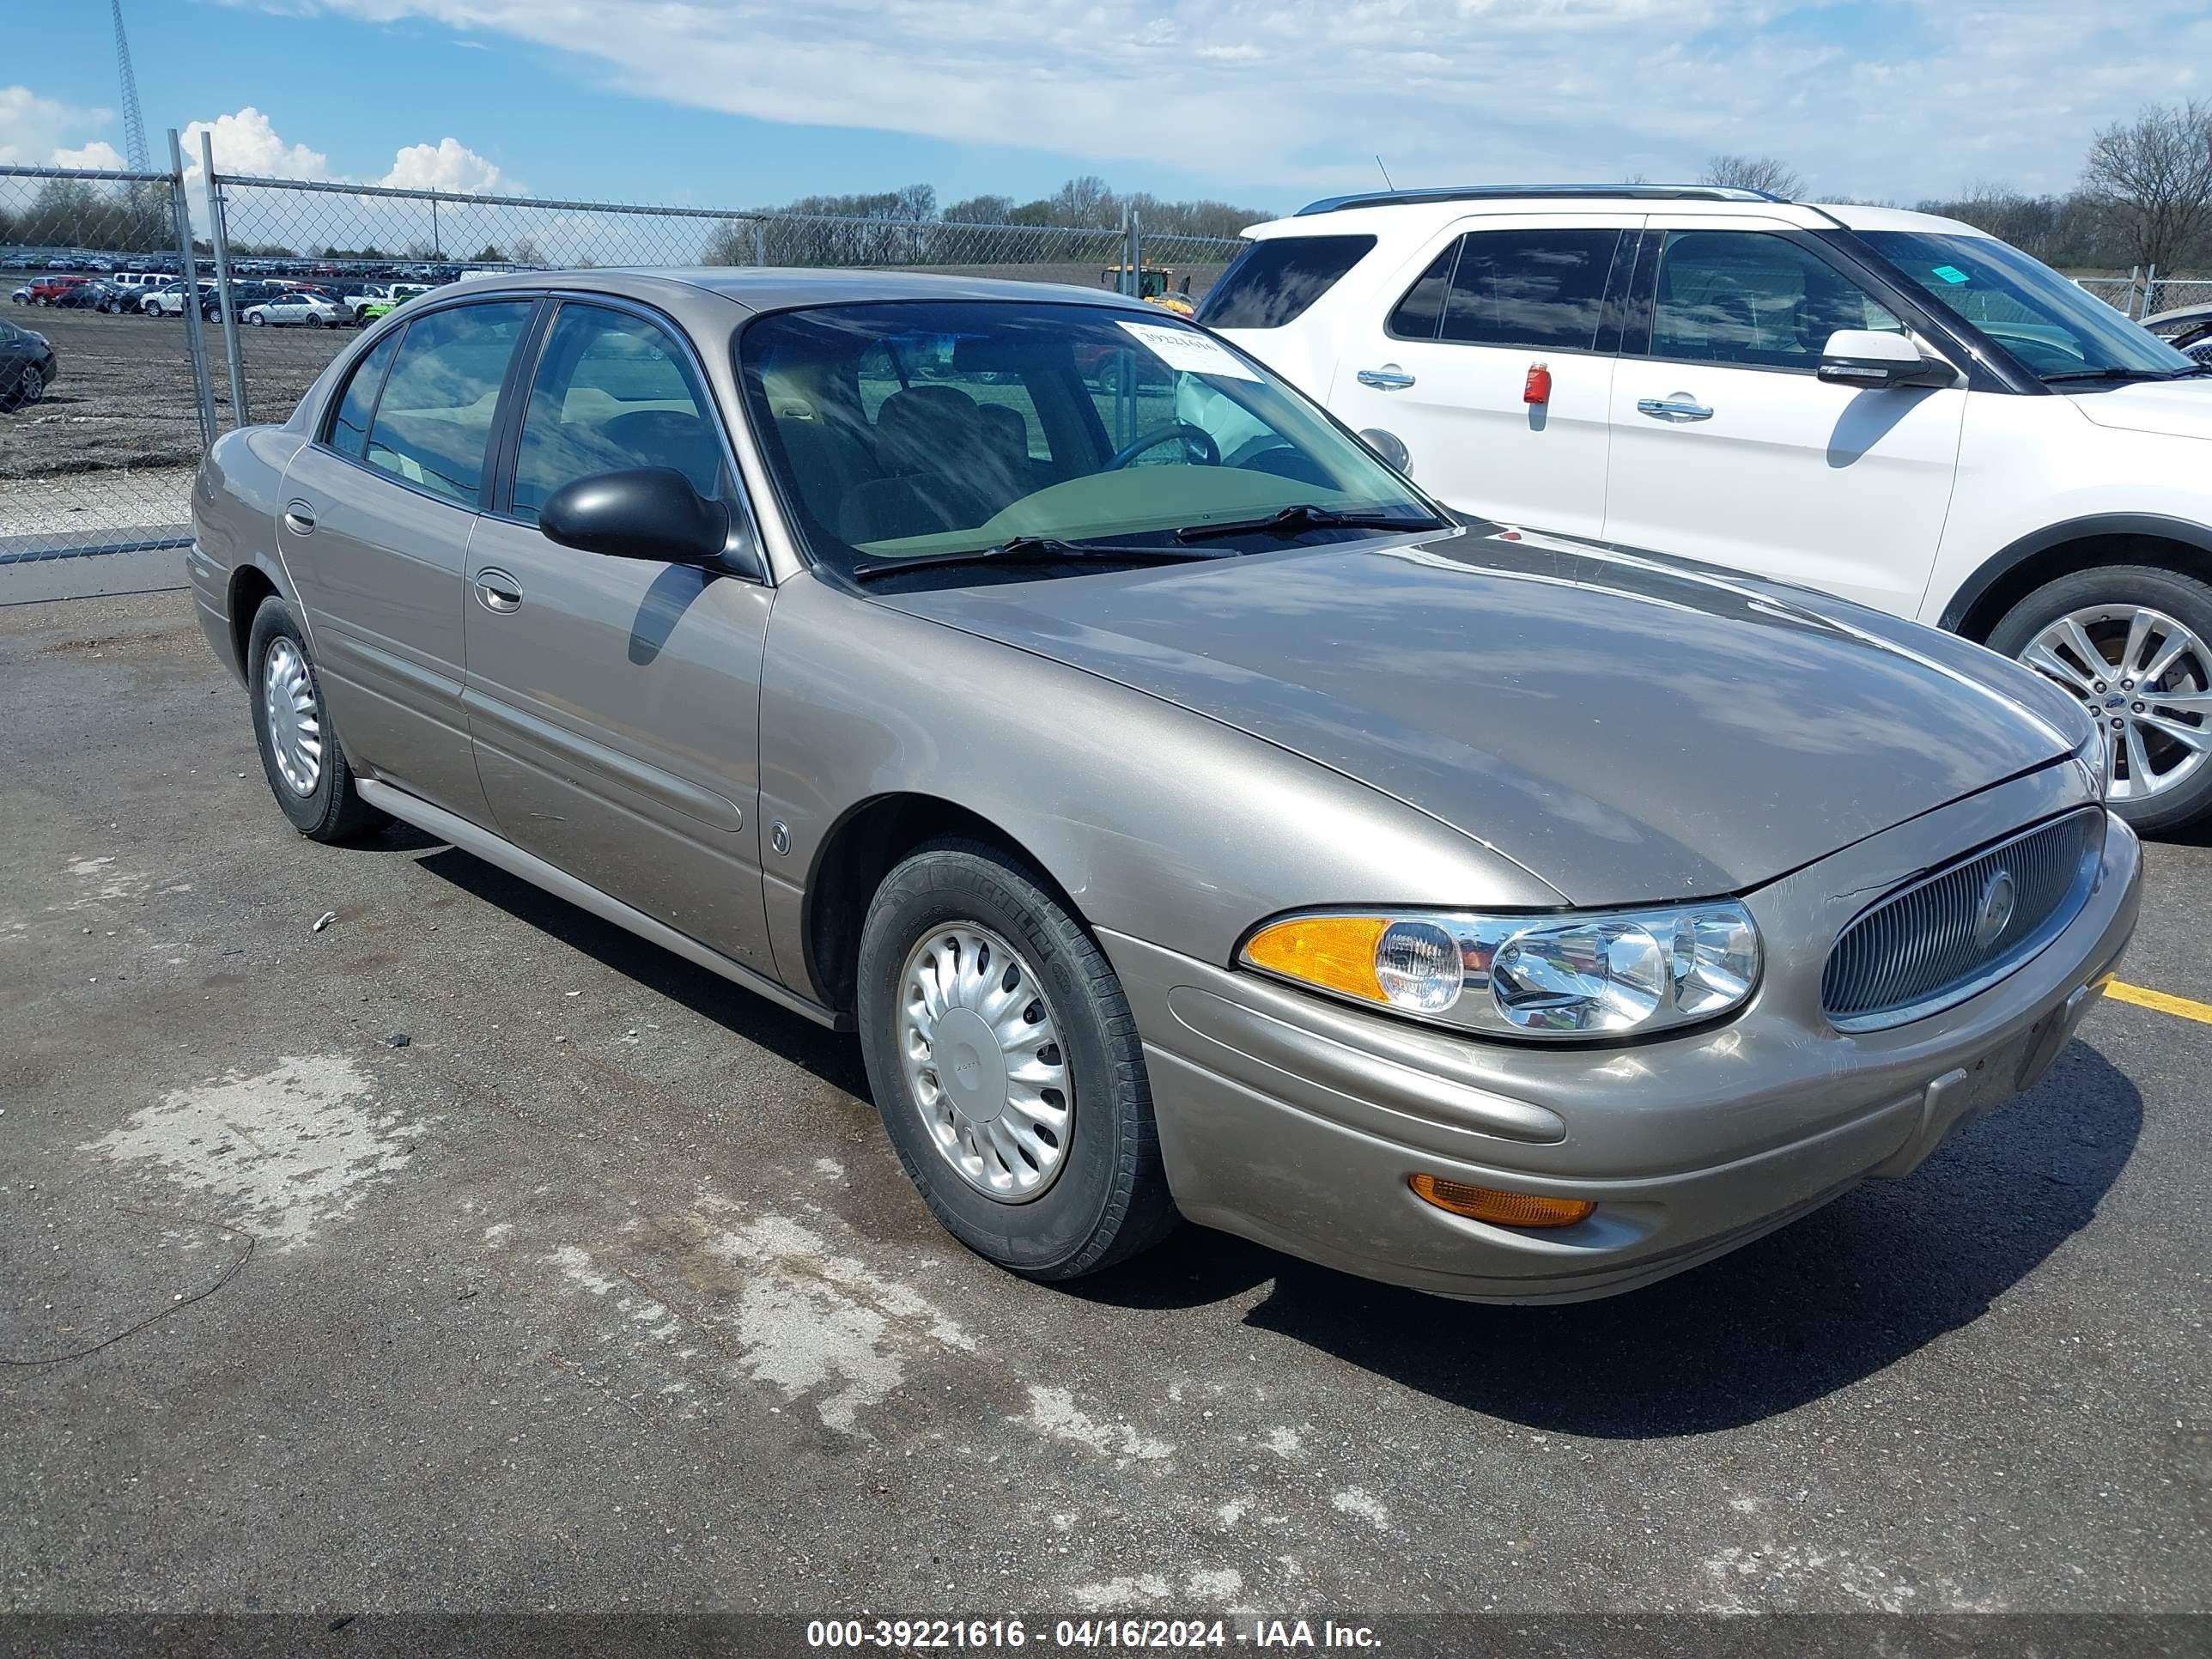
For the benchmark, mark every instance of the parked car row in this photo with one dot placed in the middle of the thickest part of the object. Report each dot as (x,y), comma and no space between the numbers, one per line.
(1191,814)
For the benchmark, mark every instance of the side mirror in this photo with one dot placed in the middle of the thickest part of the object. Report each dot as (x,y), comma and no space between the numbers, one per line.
(1879,357)
(642,513)
(1391,446)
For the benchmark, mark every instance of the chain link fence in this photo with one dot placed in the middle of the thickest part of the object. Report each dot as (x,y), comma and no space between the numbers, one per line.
(102,419)
(104,415)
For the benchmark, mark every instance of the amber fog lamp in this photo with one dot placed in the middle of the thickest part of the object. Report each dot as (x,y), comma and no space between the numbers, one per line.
(1500,1208)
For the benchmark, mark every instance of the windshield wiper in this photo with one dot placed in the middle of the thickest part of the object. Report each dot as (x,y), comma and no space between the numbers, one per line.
(2121,375)
(1032,550)
(1306,515)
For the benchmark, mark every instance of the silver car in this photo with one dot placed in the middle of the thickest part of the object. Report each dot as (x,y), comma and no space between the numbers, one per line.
(1191,818)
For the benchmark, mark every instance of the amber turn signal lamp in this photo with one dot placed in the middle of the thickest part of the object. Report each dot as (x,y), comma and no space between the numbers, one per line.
(1334,953)
(1501,1209)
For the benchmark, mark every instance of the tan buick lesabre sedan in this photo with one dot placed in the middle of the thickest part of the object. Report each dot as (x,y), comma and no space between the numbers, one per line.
(1192,818)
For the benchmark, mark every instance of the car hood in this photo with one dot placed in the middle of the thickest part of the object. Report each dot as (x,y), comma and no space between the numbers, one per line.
(2182,409)
(1626,728)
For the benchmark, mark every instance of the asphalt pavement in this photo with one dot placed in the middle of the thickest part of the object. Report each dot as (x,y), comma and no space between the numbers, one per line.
(466,1254)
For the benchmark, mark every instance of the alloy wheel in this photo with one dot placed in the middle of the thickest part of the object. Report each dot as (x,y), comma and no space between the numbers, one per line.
(983,1058)
(296,718)
(2146,679)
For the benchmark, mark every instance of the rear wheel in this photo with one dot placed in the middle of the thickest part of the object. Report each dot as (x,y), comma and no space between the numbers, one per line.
(301,755)
(30,385)
(2134,643)
(1006,1064)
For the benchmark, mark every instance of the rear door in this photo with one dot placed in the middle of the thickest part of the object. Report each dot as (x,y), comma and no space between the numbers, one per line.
(1443,361)
(1726,445)
(614,702)
(380,508)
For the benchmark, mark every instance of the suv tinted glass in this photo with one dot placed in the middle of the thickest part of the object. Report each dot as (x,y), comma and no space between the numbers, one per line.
(1752,297)
(1529,288)
(613,391)
(436,415)
(349,426)
(1272,282)
(1416,315)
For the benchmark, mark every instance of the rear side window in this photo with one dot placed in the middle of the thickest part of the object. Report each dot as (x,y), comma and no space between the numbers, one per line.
(1416,315)
(1274,281)
(1544,288)
(349,426)
(435,419)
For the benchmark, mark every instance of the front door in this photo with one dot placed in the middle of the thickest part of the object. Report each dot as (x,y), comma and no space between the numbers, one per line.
(1728,447)
(614,702)
(1443,361)
(374,533)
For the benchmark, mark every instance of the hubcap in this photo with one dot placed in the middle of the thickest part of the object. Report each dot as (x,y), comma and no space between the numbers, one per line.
(2145,679)
(296,720)
(983,1058)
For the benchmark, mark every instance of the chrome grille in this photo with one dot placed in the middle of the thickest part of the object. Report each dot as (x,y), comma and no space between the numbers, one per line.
(1938,941)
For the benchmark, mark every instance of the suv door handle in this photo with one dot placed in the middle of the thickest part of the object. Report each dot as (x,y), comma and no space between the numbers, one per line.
(499,591)
(1389,378)
(1680,407)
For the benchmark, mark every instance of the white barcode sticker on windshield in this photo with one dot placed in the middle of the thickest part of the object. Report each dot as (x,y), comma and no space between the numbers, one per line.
(1187,349)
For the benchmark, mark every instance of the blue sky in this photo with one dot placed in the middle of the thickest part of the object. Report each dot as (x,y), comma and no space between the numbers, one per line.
(740,102)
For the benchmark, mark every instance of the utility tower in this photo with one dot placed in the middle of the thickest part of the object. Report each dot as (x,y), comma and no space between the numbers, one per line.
(133,124)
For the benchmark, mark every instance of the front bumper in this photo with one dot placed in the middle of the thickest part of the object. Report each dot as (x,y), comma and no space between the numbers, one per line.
(1296,1121)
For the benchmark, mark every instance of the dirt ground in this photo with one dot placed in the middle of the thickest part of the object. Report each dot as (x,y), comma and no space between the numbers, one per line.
(124,399)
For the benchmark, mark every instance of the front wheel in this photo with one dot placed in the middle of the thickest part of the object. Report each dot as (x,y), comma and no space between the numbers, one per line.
(30,387)
(2134,644)
(1006,1064)
(307,768)
(259,320)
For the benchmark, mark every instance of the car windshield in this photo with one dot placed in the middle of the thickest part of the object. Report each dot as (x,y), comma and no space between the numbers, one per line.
(931,429)
(2059,331)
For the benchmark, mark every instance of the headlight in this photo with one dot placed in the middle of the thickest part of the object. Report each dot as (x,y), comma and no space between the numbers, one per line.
(1581,975)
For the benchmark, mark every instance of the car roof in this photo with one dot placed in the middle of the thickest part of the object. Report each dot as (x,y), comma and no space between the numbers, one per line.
(780,287)
(1397,212)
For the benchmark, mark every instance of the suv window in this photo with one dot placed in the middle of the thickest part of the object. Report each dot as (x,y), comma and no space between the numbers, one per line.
(1541,288)
(349,426)
(1753,297)
(613,391)
(434,417)
(1273,280)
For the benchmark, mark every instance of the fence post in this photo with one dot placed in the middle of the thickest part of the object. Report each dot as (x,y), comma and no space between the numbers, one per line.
(2150,290)
(219,235)
(760,242)
(195,346)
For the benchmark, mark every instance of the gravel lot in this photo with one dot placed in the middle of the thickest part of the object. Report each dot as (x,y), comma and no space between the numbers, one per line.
(604,1292)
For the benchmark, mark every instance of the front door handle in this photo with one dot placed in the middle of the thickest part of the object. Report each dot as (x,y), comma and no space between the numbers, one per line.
(1389,378)
(299,518)
(499,591)
(1679,408)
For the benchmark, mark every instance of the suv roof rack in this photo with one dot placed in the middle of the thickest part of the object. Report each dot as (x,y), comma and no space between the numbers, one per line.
(1491,192)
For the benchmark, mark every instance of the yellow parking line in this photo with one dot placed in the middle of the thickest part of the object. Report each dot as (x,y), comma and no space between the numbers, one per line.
(2199,1011)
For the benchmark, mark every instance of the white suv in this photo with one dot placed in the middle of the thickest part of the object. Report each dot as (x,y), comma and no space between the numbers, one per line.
(1888,405)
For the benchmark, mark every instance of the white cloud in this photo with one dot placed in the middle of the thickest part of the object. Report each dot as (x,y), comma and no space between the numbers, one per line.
(1893,97)
(34,131)
(447,164)
(246,142)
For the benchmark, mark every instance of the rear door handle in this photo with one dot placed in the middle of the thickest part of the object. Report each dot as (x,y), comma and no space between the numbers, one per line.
(499,591)
(1680,407)
(1389,378)
(299,518)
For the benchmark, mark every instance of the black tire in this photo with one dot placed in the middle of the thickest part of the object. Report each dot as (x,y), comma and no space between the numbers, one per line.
(2187,601)
(333,810)
(1109,1198)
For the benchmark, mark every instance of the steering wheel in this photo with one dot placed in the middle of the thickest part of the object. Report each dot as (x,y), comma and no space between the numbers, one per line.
(1195,440)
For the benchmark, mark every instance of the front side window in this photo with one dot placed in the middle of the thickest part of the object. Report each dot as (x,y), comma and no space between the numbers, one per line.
(1275,279)
(434,418)
(1753,298)
(350,424)
(936,427)
(613,391)
(2054,328)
